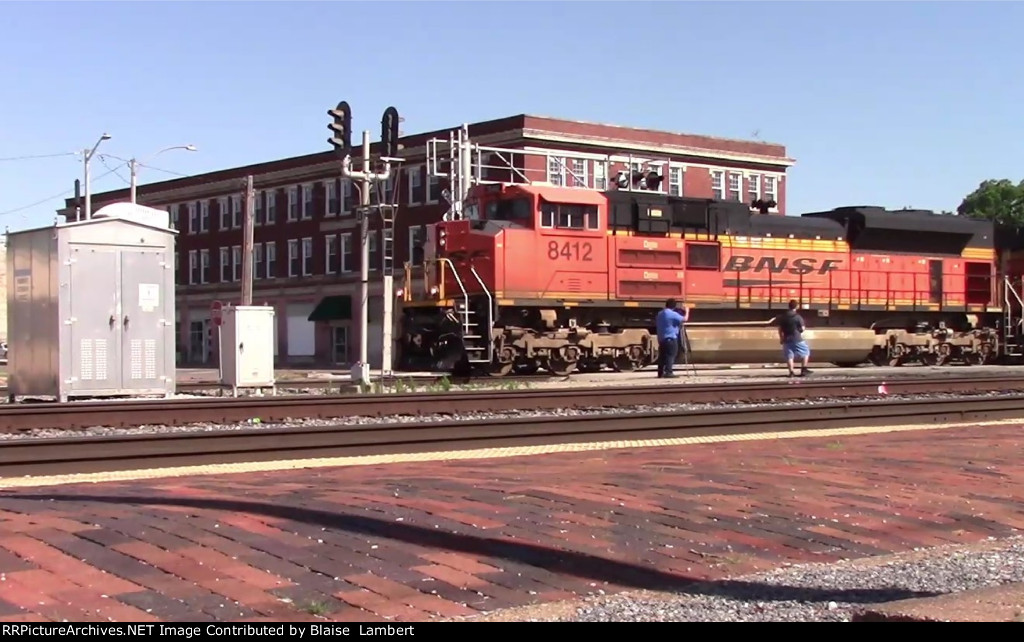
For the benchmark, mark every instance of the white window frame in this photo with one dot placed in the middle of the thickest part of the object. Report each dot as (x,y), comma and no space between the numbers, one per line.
(225,264)
(346,197)
(738,191)
(415,174)
(236,263)
(257,261)
(175,218)
(753,187)
(193,219)
(345,254)
(556,170)
(270,214)
(293,255)
(332,187)
(578,173)
(204,217)
(433,189)
(374,248)
(307,256)
(413,232)
(676,176)
(204,266)
(330,243)
(293,203)
(193,267)
(306,211)
(257,209)
(224,207)
(718,184)
(270,259)
(600,175)
(236,212)
(772,193)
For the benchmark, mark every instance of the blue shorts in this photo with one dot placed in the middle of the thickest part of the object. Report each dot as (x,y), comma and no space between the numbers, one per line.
(795,350)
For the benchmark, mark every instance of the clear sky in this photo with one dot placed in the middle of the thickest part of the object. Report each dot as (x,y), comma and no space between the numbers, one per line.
(888,103)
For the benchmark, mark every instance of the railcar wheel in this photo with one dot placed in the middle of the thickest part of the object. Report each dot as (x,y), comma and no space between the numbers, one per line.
(561,367)
(500,369)
(623,364)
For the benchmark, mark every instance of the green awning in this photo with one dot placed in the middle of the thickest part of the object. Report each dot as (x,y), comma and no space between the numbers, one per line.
(332,308)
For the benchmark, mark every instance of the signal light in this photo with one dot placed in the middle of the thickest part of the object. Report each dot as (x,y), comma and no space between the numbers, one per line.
(763,206)
(389,132)
(342,128)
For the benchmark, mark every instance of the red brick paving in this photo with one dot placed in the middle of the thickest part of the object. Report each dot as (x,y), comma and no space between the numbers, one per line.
(447,539)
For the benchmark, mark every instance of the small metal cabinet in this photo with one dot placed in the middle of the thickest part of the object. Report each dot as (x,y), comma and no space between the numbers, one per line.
(91,306)
(247,347)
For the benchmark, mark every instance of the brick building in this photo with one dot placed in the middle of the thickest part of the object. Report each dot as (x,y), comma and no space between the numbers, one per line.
(306,255)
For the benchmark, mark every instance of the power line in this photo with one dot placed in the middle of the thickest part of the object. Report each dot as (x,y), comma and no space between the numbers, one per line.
(166,171)
(103,159)
(18,158)
(49,198)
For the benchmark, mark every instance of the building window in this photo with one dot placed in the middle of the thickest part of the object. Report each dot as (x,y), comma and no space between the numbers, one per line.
(600,175)
(753,187)
(433,189)
(735,186)
(579,172)
(294,261)
(271,257)
(177,264)
(717,188)
(307,256)
(416,191)
(236,211)
(374,253)
(257,261)
(346,196)
(556,170)
(193,219)
(173,209)
(769,189)
(257,209)
(346,253)
(417,237)
(331,254)
(307,202)
(340,344)
(204,217)
(293,203)
(333,189)
(204,262)
(225,212)
(236,263)
(271,214)
(675,181)
(193,267)
(225,267)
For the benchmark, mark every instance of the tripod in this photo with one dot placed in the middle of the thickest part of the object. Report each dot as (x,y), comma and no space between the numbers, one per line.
(685,345)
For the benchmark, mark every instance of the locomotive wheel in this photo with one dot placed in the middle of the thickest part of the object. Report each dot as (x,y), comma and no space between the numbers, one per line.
(527,367)
(623,364)
(500,369)
(561,367)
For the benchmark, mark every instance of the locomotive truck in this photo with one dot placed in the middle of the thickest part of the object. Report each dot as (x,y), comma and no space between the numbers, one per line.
(537,277)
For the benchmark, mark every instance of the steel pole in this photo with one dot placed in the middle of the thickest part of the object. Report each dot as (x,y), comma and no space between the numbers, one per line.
(364,261)
(134,181)
(88,192)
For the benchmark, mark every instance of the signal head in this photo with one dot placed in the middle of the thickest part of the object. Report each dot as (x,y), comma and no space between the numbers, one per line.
(342,128)
(389,132)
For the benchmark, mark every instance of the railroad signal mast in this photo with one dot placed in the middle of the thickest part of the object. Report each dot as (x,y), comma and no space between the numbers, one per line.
(372,183)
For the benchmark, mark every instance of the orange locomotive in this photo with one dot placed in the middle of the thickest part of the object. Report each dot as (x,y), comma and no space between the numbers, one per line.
(563,279)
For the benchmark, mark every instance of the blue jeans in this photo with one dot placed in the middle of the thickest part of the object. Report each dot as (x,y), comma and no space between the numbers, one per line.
(795,350)
(668,349)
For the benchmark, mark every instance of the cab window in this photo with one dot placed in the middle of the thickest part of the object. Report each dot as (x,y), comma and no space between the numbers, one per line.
(567,216)
(516,210)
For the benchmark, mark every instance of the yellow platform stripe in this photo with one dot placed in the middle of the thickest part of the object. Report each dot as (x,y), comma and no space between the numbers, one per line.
(452,455)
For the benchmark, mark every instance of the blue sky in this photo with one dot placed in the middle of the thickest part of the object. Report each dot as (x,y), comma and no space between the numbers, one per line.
(908,103)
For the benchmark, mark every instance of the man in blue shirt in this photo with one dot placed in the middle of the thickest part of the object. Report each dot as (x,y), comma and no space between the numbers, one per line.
(669,322)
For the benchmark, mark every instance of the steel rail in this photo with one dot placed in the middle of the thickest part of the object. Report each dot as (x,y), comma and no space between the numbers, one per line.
(133,452)
(134,413)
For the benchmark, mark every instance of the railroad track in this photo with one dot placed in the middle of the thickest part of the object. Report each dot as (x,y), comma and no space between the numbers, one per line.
(132,452)
(224,410)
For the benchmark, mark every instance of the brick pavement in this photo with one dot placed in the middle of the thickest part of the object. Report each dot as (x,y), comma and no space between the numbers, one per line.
(448,539)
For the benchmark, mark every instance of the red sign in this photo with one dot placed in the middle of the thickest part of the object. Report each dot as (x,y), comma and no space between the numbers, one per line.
(217,312)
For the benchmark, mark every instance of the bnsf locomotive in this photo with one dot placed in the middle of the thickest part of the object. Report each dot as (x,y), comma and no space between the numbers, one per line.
(561,279)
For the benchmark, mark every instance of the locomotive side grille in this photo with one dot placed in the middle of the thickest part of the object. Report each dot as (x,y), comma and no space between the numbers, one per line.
(650,288)
(573,285)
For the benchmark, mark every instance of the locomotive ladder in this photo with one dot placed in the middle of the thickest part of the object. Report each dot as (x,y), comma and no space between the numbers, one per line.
(1013,319)
(387,234)
(477,343)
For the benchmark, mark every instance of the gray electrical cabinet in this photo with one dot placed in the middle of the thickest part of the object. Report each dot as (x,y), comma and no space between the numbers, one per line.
(91,307)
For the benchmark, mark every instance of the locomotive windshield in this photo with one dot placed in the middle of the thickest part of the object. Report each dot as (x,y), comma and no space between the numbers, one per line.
(516,209)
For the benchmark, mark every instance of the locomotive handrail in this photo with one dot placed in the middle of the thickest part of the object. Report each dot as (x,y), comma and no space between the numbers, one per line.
(455,273)
(490,312)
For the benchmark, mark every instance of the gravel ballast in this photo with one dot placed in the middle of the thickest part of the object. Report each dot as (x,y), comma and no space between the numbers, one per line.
(820,593)
(257,424)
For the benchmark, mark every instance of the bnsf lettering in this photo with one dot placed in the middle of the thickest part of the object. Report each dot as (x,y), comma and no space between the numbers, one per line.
(574,251)
(778,266)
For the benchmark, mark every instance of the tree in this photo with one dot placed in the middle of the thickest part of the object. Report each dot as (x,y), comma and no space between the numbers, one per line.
(997,200)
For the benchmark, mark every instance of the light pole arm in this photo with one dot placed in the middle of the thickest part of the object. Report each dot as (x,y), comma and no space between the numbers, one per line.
(134,166)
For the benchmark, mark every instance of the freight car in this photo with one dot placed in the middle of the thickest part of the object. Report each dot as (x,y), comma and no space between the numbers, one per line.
(564,279)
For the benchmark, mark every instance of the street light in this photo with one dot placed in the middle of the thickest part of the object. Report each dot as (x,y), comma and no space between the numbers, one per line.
(87,155)
(135,164)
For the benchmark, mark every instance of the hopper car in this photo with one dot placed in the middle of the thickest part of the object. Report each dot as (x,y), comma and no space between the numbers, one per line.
(537,277)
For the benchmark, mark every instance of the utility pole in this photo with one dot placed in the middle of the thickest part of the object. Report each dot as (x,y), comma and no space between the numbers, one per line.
(87,158)
(133,166)
(249,203)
